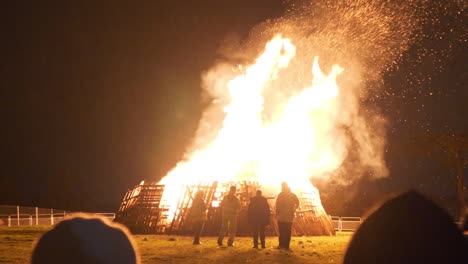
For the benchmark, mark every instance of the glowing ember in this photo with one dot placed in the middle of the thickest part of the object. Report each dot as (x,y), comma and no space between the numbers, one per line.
(294,143)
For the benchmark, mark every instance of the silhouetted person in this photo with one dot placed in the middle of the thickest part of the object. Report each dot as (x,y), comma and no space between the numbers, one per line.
(259,217)
(407,229)
(85,239)
(230,207)
(286,205)
(198,216)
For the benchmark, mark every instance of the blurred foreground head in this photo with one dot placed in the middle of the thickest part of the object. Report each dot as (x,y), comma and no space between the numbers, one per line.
(85,239)
(408,229)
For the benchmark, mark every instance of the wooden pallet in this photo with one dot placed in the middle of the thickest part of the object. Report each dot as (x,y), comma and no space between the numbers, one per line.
(140,209)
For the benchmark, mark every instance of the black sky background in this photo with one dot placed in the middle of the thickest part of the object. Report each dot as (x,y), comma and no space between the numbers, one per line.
(97,96)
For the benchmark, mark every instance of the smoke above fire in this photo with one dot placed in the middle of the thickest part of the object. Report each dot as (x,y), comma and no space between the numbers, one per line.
(289,103)
(275,123)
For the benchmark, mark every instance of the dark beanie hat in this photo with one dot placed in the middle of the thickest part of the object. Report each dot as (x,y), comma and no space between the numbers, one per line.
(85,240)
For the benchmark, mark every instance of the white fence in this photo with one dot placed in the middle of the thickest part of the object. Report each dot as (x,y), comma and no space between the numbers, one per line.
(30,216)
(346,223)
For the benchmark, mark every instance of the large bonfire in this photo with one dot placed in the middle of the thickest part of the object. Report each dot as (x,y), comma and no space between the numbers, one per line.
(295,141)
(281,119)
(265,127)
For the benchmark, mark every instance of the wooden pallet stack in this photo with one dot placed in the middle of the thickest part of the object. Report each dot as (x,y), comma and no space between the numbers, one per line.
(214,194)
(140,209)
(311,218)
(180,223)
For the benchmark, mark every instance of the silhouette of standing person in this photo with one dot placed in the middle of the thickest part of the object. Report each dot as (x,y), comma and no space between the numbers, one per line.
(286,205)
(198,216)
(230,207)
(259,217)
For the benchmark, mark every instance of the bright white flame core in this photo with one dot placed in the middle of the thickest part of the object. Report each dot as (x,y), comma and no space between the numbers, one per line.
(299,141)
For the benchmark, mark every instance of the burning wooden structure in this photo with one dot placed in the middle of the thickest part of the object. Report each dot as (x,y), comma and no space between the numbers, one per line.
(140,210)
(143,211)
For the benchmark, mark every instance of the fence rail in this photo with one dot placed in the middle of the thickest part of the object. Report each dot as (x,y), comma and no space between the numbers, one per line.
(346,223)
(30,216)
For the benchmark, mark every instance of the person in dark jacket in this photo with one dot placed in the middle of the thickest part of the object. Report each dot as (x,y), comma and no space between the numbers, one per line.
(259,217)
(198,216)
(286,205)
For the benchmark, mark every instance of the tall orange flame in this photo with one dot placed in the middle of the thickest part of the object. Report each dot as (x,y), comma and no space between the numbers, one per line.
(299,140)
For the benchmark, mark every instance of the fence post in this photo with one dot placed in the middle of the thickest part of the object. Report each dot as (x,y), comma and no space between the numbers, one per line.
(9,221)
(340,224)
(51,216)
(30,220)
(17,215)
(37,217)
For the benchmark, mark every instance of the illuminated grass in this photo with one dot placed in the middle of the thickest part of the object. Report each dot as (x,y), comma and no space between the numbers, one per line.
(16,245)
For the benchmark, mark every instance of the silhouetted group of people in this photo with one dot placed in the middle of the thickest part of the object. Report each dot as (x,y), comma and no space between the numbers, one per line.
(258,215)
(405,229)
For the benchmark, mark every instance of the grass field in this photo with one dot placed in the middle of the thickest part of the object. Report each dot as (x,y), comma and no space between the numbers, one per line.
(16,245)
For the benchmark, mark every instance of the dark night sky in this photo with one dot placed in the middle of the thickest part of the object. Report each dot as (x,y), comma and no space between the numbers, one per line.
(97,97)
